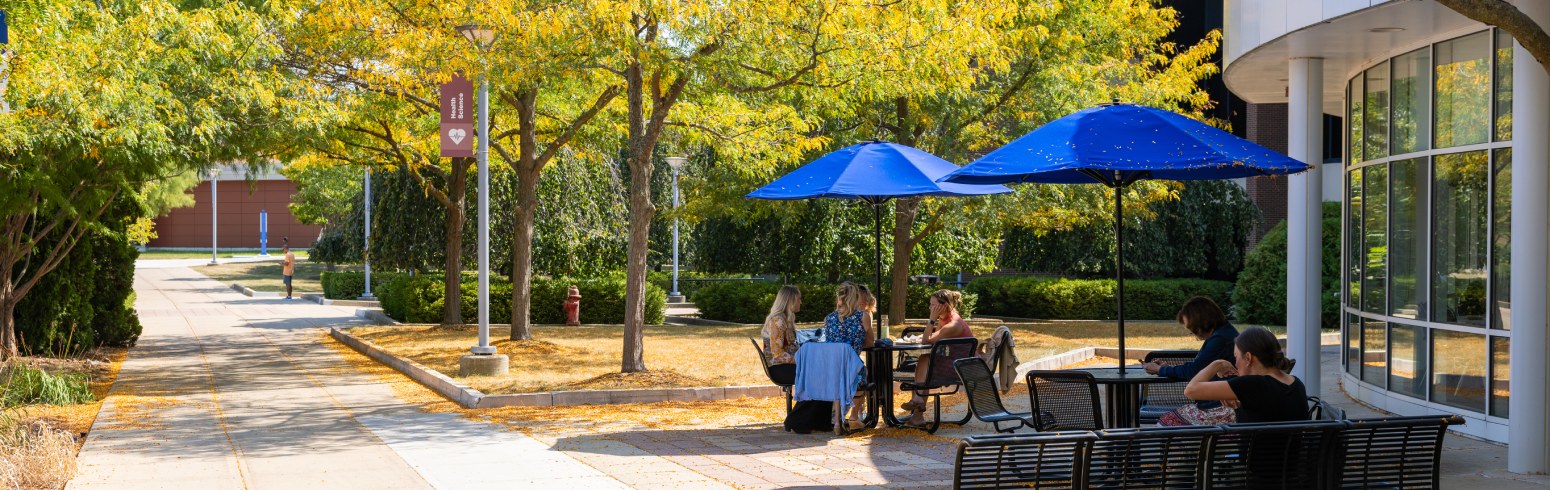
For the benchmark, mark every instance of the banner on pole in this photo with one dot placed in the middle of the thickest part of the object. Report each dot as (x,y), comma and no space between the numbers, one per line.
(457,120)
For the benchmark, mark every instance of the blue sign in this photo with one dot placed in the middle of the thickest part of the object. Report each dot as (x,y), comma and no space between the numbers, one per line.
(263,232)
(4,37)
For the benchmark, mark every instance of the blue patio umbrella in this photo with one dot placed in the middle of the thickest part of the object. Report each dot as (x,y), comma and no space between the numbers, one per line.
(874,172)
(1116,145)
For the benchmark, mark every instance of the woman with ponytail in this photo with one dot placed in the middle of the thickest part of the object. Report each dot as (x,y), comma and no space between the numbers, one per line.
(1264,390)
(945,323)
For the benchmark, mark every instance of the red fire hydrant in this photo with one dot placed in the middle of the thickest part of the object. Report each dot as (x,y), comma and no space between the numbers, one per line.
(573,306)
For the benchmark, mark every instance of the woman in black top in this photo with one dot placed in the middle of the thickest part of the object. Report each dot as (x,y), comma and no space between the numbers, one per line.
(1263,390)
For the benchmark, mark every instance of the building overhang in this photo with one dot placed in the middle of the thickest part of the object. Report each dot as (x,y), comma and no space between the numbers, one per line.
(1347,44)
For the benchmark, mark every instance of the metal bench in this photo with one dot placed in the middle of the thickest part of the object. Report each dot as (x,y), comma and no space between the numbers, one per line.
(1382,453)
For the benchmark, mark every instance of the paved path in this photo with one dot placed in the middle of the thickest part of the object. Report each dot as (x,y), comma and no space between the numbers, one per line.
(226,391)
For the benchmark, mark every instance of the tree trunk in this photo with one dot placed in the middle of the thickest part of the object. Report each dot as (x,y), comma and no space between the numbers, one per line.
(641,212)
(457,192)
(903,228)
(8,344)
(522,254)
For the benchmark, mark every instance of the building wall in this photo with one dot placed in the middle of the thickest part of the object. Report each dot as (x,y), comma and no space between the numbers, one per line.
(239,205)
(1266,125)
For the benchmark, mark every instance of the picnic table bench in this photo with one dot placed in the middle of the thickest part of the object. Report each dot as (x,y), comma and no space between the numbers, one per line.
(1396,452)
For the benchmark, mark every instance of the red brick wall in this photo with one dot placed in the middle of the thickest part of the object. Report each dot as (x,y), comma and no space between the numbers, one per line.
(238,220)
(1267,126)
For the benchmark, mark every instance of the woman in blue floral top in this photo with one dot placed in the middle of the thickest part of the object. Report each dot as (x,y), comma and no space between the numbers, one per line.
(851,322)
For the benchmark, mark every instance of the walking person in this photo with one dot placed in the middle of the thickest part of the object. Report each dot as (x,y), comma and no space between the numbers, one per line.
(288,268)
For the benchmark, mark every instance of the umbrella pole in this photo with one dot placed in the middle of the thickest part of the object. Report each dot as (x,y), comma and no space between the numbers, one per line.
(1119,268)
(877,244)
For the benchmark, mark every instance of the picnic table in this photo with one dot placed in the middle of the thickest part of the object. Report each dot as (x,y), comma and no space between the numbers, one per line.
(1123,390)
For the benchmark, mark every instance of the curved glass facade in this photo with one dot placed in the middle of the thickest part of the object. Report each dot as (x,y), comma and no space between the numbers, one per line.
(1427,223)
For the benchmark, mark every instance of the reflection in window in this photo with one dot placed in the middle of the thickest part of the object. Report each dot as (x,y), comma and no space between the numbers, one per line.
(1407,359)
(1459,238)
(1500,375)
(1354,238)
(1407,238)
(1375,229)
(1458,369)
(1353,119)
(1503,86)
(1353,345)
(1412,88)
(1376,116)
(1462,81)
(1501,239)
(1374,352)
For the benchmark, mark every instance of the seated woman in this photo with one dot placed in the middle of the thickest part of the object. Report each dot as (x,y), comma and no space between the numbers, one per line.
(1207,322)
(779,334)
(945,324)
(851,323)
(1263,390)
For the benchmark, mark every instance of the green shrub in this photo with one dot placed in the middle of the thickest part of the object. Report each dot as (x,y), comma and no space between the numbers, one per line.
(686,283)
(84,302)
(26,385)
(1261,293)
(350,285)
(749,302)
(334,248)
(420,299)
(1091,299)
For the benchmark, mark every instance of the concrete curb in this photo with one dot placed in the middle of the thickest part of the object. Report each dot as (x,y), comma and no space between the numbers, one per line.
(376,315)
(471,398)
(253,294)
(319,299)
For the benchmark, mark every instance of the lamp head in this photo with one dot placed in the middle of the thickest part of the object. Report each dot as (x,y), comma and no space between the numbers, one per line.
(478,34)
(676,162)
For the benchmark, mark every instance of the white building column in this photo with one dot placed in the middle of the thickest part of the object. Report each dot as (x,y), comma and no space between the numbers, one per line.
(1304,218)
(1529,405)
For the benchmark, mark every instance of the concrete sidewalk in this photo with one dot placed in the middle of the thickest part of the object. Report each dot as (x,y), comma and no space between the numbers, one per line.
(226,391)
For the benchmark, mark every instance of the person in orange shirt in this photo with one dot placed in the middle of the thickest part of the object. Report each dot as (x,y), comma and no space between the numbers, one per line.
(288,265)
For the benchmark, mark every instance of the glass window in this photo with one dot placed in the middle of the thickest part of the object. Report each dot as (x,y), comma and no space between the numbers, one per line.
(1458,234)
(1354,238)
(1500,373)
(1411,129)
(1503,86)
(1501,239)
(1374,352)
(1407,359)
(1376,116)
(1353,345)
(1375,242)
(1458,367)
(1462,81)
(1407,238)
(1353,119)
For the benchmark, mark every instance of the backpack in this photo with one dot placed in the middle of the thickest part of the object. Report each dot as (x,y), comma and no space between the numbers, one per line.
(811,415)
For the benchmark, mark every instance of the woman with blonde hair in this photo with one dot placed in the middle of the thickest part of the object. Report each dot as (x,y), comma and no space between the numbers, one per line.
(945,323)
(851,323)
(780,332)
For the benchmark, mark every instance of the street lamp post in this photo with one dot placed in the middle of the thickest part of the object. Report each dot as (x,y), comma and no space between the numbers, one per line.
(366,249)
(215,180)
(483,359)
(676,163)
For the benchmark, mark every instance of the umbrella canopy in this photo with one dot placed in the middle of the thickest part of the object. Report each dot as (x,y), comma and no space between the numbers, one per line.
(873,171)
(1116,145)
(1122,143)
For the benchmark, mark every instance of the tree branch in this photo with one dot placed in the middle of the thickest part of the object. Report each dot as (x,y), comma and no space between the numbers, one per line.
(1506,16)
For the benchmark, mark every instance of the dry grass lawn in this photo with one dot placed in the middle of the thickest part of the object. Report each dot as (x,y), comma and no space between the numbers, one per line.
(588,358)
(39,443)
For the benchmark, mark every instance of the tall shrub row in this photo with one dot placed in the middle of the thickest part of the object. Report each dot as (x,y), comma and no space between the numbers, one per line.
(749,302)
(1091,299)
(418,299)
(86,301)
(350,285)
(1261,293)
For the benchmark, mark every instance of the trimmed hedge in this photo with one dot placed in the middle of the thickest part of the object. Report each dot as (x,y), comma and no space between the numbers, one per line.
(1091,299)
(419,299)
(749,302)
(350,285)
(1261,293)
